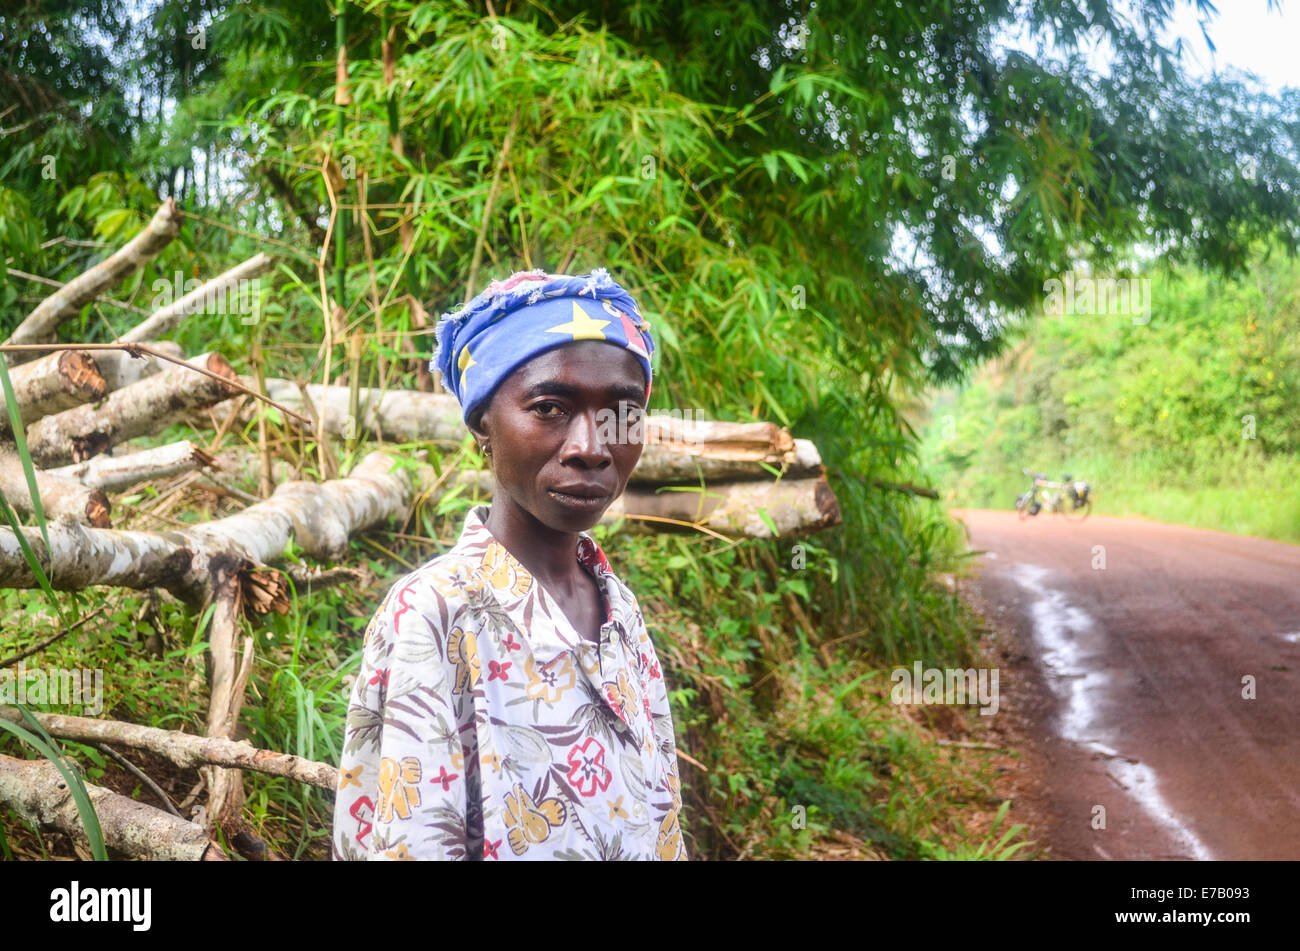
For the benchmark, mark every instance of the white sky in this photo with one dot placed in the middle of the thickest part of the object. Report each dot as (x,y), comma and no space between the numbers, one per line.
(1247,37)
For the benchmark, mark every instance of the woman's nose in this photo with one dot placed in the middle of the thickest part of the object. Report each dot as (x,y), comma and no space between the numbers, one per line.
(586,443)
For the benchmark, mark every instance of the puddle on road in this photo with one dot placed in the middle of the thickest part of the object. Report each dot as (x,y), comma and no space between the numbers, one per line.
(1065,632)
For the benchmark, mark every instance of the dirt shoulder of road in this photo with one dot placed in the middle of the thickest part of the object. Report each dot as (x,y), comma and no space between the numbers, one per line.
(1020,767)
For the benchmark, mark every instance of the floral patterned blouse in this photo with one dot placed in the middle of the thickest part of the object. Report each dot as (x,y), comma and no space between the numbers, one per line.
(483,726)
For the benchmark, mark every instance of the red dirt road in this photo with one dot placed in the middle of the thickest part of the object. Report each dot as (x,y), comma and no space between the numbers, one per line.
(1135,684)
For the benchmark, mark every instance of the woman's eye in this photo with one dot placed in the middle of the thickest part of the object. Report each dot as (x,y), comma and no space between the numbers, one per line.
(548,410)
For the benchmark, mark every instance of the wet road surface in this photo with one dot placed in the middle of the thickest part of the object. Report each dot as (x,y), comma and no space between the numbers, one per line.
(1146,642)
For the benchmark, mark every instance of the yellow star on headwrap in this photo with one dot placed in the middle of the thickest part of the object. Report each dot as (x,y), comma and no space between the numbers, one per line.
(464,363)
(582,327)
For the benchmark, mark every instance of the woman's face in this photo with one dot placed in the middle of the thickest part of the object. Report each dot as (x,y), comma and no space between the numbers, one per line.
(565,431)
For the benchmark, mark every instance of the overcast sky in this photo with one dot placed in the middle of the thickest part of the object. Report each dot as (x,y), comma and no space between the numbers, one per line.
(1248,37)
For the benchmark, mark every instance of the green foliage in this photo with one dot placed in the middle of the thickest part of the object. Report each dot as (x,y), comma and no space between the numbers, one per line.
(1193,417)
(999,165)
(783,712)
(29,476)
(1002,850)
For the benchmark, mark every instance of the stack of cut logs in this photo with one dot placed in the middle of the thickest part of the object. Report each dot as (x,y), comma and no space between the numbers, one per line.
(80,405)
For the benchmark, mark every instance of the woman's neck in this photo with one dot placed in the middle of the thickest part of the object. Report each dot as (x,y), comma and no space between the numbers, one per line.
(547,554)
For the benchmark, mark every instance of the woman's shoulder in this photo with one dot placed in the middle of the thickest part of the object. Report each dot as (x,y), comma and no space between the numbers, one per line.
(437,592)
(447,578)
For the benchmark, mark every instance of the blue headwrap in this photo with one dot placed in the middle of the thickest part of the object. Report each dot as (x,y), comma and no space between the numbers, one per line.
(527,314)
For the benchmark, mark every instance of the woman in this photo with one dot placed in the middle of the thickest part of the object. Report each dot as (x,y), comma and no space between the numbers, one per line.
(510,703)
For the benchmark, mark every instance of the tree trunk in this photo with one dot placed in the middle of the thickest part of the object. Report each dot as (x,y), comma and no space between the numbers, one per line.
(795,507)
(120,368)
(395,416)
(136,410)
(226,696)
(724,459)
(42,323)
(675,451)
(55,382)
(85,557)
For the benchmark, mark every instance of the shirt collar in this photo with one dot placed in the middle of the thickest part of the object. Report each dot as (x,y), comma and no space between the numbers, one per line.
(524,599)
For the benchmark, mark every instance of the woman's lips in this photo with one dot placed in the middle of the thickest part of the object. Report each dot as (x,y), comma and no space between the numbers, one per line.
(584,503)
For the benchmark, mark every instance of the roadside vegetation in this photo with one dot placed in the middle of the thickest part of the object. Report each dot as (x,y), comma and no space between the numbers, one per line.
(1193,418)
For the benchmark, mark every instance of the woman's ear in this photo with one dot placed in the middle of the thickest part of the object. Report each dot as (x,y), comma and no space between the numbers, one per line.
(479,430)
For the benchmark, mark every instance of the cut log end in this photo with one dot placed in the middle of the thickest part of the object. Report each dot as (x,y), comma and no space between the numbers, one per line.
(89,445)
(220,366)
(265,591)
(81,375)
(98,510)
(828,506)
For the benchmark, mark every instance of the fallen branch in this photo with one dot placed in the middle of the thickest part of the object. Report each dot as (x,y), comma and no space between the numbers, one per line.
(81,557)
(320,518)
(42,323)
(199,300)
(136,410)
(158,792)
(115,473)
(184,749)
(136,349)
(906,488)
(59,495)
(37,792)
(305,577)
